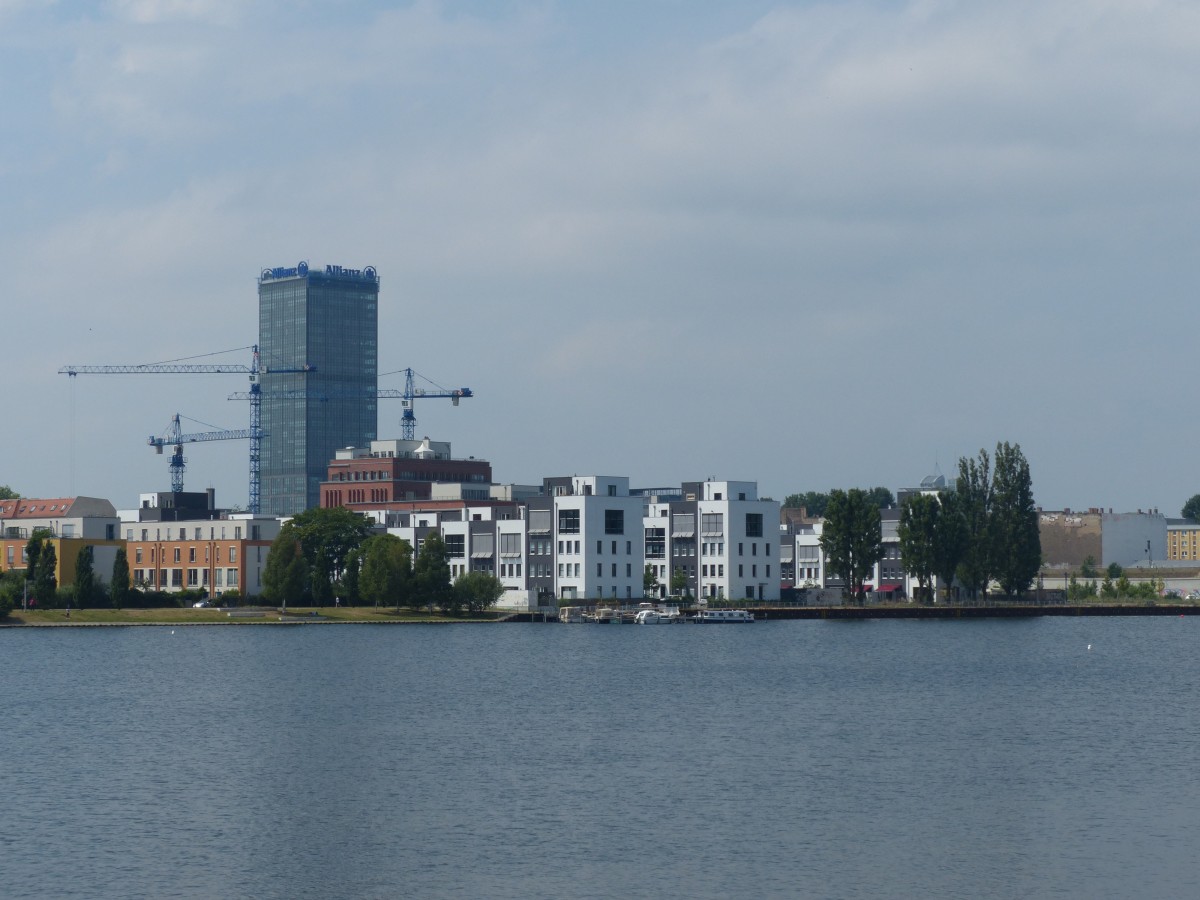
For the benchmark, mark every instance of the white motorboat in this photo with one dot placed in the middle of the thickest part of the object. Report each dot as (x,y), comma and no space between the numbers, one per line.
(657,616)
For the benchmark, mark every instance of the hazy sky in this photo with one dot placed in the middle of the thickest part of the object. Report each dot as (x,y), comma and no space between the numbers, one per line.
(812,245)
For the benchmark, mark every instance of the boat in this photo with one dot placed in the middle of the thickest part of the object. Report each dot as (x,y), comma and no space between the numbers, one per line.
(718,616)
(663,615)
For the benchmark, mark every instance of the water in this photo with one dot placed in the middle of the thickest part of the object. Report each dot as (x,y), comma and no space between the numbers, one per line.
(783,759)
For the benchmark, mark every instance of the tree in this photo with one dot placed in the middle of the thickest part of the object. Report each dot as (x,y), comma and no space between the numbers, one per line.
(387,576)
(85,577)
(348,587)
(1114,571)
(1088,569)
(45,580)
(118,586)
(813,502)
(918,538)
(950,539)
(286,572)
(852,539)
(649,582)
(1191,509)
(326,536)
(975,497)
(478,590)
(431,574)
(7,493)
(1015,549)
(33,550)
(881,497)
(679,582)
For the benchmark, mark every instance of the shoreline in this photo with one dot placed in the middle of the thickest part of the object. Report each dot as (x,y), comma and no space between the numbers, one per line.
(101,618)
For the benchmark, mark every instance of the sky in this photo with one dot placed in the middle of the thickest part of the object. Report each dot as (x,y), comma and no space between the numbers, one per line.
(812,245)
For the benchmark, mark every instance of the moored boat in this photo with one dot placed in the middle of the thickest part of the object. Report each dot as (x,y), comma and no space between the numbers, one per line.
(722,616)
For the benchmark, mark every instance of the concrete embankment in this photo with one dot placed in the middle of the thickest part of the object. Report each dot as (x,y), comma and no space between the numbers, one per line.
(913,611)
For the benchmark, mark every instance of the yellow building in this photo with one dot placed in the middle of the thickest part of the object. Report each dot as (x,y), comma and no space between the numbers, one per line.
(1183,539)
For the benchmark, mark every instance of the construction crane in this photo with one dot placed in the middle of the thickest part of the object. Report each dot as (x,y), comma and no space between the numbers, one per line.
(174,435)
(408,420)
(177,368)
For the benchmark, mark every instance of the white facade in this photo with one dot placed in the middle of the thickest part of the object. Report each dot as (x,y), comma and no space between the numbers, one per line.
(598,540)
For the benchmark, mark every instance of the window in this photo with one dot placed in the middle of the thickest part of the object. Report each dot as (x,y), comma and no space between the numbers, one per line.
(754,548)
(193,577)
(628,570)
(712,523)
(456,544)
(721,571)
(739,570)
(510,544)
(599,548)
(231,578)
(568,521)
(629,548)
(176,554)
(233,554)
(599,570)
(614,570)
(219,576)
(560,548)
(614,521)
(191,554)
(137,555)
(754,525)
(614,548)
(656,543)
(739,549)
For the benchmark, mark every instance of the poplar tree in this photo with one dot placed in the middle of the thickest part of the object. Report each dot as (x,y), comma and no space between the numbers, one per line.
(85,577)
(975,498)
(918,539)
(1015,543)
(45,581)
(118,586)
(852,538)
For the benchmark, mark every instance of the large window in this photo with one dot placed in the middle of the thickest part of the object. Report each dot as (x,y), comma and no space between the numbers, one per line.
(456,545)
(614,521)
(510,544)
(754,525)
(656,543)
(712,523)
(568,521)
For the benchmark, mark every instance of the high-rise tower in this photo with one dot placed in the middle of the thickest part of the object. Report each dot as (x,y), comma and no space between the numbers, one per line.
(327,319)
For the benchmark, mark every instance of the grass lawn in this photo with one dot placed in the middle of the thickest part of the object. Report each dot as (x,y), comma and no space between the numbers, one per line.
(191,616)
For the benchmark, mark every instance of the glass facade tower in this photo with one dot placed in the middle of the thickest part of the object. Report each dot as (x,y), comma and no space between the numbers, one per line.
(327,320)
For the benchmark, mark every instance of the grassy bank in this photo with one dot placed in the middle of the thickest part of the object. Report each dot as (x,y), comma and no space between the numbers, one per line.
(343,614)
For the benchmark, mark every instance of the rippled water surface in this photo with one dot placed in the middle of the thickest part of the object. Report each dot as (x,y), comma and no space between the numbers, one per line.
(782,759)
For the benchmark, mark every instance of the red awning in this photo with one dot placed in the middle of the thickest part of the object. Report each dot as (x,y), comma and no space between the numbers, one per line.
(888,588)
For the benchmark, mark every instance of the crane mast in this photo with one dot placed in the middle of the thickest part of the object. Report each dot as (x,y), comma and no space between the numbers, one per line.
(175,436)
(173,368)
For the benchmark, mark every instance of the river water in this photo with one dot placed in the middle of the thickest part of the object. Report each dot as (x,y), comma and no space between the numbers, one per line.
(930,759)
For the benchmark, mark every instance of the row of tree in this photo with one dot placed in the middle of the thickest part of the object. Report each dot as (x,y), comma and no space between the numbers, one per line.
(38,583)
(324,556)
(986,530)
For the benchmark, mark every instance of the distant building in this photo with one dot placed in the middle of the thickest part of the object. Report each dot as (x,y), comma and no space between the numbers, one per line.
(1070,537)
(72,523)
(720,536)
(326,319)
(1183,539)
(386,474)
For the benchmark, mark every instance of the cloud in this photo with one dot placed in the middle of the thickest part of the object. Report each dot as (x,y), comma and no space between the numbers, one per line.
(856,204)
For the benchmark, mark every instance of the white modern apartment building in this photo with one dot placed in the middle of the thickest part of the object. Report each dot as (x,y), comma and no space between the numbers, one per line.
(719,536)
